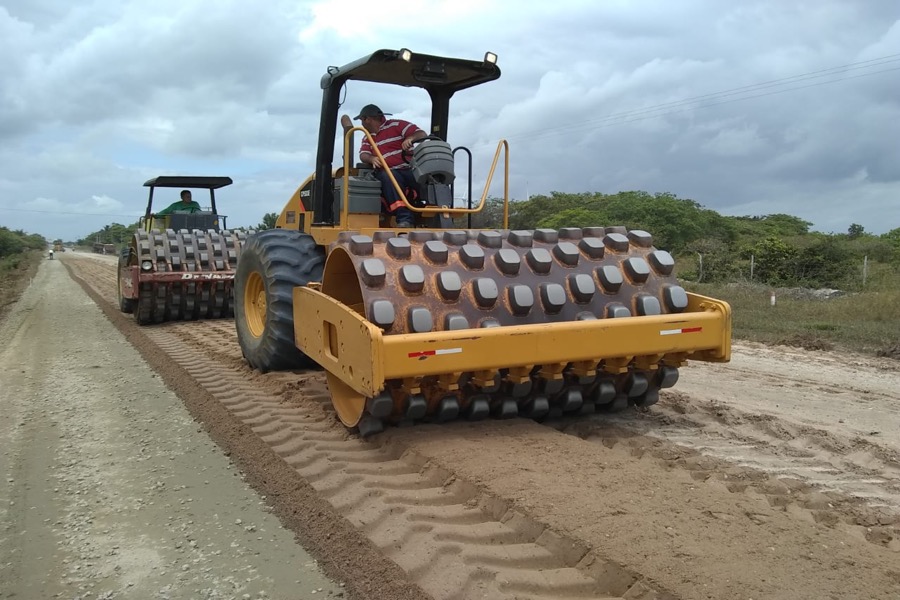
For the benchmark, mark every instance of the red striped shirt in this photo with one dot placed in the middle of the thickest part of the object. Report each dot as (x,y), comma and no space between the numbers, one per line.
(389,140)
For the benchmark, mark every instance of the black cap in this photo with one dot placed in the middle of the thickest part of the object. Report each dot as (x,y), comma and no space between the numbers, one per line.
(370,110)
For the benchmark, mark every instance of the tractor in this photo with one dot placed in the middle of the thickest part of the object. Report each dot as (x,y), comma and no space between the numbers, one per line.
(180,266)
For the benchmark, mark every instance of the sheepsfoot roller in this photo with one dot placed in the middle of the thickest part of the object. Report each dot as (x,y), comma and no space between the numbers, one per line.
(436,326)
(180,266)
(441,321)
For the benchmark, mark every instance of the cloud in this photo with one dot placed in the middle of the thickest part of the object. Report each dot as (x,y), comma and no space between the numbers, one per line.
(739,107)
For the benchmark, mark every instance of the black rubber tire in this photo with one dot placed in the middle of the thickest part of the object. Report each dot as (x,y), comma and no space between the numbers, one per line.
(126,305)
(143,308)
(284,259)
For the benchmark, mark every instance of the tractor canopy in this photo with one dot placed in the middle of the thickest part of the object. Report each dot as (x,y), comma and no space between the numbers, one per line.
(187,182)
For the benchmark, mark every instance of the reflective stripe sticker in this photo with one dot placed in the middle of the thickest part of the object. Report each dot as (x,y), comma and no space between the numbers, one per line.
(438,352)
(677,331)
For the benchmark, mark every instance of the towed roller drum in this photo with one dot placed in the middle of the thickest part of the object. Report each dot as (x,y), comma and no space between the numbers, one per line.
(184,275)
(453,280)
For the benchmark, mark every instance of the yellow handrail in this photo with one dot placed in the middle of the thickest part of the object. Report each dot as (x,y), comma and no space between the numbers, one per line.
(503,144)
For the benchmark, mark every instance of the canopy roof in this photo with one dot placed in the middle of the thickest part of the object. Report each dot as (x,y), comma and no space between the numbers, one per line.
(439,74)
(188,181)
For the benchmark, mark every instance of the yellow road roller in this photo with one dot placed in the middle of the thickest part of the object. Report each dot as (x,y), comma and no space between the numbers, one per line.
(437,321)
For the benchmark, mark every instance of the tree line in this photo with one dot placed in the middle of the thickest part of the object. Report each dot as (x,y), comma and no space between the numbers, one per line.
(776,249)
(114,233)
(18,242)
(120,235)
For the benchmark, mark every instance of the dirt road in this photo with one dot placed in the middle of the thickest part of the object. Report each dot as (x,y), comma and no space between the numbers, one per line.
(110,490)
(774,477)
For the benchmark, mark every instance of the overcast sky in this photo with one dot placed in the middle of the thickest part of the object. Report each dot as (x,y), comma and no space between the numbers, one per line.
(750,108)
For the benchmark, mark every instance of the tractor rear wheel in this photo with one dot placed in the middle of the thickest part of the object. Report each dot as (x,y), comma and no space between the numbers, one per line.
(271,265)
(126,305)
(143,308)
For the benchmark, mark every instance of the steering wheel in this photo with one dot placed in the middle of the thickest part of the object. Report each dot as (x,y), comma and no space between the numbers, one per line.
(407,154)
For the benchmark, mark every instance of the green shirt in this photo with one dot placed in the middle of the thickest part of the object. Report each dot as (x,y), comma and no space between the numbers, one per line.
(180,207)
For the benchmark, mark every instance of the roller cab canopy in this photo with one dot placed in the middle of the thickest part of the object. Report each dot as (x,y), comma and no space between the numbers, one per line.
(440,76)
(186,181)
(437,74)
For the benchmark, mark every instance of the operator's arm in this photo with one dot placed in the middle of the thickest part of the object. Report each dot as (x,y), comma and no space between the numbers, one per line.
(412,139)
(367,156)
(167,210)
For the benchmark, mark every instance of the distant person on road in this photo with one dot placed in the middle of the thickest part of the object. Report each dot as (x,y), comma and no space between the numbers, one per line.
(51,254)
(185,205)
(393,137)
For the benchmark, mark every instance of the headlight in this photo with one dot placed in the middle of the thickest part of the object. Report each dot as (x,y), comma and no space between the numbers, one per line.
(146,265)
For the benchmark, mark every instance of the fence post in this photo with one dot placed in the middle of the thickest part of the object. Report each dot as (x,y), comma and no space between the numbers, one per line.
(699,268)
(865,268)
(752,264)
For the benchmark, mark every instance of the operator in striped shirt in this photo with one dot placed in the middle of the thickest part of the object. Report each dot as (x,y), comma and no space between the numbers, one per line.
(393,137)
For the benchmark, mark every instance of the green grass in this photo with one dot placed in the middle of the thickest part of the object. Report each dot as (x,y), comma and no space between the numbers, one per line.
(867,322)
(15,272)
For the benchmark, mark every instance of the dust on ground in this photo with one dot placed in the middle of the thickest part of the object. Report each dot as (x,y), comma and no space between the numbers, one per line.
(110,489)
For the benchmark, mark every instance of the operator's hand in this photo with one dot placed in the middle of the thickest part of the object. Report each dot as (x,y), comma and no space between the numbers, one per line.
(407,144)
(346,122)
(376,162)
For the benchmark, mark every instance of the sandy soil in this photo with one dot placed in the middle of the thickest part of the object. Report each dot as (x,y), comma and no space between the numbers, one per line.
(776,476)
(110,489)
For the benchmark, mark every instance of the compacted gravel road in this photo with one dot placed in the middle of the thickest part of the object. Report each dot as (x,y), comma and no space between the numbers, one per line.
(108,488)
(773,477)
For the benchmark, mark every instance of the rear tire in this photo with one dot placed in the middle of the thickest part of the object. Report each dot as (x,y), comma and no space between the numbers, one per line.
(143,308)
(272,263)
(126,305)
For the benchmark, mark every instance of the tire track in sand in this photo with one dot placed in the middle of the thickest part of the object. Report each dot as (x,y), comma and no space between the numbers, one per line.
(451,539)
(744,456)
(849,566)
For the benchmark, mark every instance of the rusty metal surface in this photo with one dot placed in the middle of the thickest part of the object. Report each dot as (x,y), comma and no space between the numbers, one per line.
(191,275)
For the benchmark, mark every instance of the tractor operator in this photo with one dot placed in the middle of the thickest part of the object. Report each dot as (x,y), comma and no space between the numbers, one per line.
(394,137)
(185,205)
